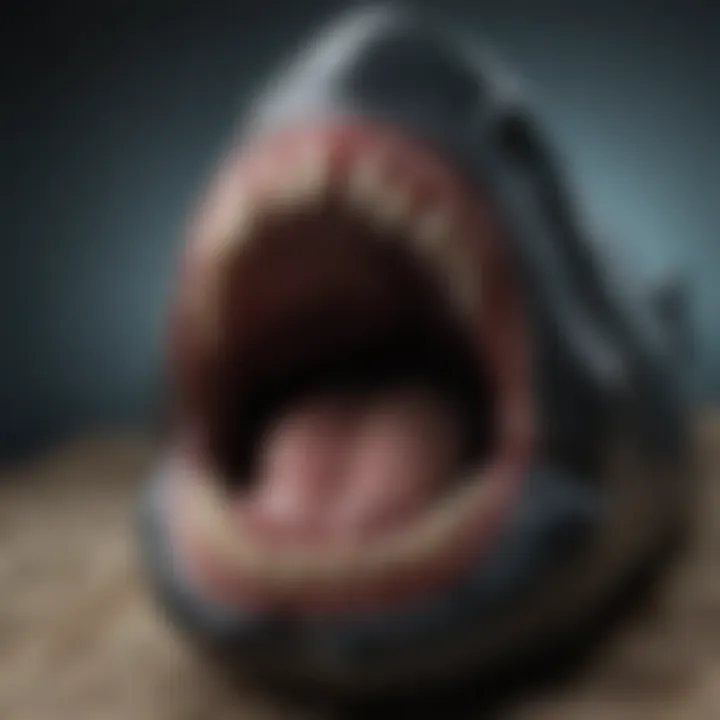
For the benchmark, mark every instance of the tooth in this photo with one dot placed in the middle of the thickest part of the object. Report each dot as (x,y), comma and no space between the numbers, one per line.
(306,183)
(285,195)
(434,237)
(233,228)
(230,233)
(433,231)
(370,190)
(366,181)
(393,207)
(313,177)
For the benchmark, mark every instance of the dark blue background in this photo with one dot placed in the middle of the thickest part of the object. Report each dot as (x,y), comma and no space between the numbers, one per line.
(114,114)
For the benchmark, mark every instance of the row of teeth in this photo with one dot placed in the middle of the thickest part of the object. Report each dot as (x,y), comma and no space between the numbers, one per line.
(433,232)
(419,546)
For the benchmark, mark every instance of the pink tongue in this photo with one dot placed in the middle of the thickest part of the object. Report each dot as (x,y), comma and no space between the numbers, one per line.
(340,469)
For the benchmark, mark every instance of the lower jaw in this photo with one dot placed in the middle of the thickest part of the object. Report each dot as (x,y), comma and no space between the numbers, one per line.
(495,607)
(367,579)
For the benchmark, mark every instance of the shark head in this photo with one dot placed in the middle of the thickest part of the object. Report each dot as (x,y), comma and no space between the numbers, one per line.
(416,405)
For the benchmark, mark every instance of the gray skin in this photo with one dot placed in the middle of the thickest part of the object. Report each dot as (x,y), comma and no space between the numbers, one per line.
(611,476)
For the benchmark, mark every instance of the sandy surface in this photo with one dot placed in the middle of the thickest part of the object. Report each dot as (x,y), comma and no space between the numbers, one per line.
(80,639)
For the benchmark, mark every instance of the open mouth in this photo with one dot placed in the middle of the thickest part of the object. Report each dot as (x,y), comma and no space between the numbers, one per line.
(353,365)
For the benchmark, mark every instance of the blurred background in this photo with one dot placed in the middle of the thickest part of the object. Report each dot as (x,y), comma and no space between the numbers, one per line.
(114,114)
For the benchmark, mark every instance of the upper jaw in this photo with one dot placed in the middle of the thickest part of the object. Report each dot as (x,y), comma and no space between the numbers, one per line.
(376,176)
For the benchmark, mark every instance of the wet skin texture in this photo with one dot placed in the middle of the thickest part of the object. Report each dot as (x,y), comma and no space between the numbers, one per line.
(606,484)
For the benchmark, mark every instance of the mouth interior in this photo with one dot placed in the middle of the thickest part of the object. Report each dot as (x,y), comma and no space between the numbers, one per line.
(350,394)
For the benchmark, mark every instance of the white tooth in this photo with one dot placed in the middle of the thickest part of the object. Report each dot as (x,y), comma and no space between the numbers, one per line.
(371,191)
(313,176)
(286,195)
(433,235)
(433,230)
(303,182)
(366,181)
(393,207)
(234,228)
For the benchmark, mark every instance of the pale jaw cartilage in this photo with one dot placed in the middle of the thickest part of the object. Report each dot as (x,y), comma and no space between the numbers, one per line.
(280,571)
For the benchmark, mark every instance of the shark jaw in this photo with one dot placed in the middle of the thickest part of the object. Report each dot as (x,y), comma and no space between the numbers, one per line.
(313,218)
